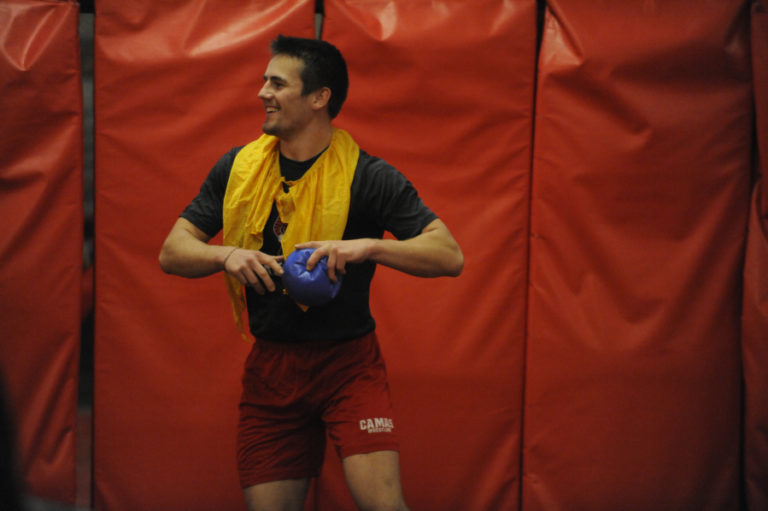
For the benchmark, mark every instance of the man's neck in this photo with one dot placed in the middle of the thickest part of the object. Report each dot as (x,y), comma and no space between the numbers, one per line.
(308,143)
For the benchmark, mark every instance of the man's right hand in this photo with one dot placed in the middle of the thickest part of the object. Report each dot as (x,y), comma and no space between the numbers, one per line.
(186,253)
(253,268)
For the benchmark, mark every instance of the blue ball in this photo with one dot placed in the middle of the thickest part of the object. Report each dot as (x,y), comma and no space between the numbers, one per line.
(310,288)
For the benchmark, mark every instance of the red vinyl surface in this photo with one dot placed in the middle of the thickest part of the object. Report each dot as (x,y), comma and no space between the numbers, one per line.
(755,305)
(589,357)
(443,91)
(41,155)
(640,193)
(175,88)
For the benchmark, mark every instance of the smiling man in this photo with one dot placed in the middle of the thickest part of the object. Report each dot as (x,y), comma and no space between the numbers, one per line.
(312,370)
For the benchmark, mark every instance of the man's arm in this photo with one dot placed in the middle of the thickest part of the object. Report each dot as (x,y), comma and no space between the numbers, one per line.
(186,253)
(433,253)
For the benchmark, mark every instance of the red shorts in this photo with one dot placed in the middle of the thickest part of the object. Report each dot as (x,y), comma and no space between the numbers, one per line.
(294,394)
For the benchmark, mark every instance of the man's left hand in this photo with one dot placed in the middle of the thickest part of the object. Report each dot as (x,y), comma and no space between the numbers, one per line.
(339,253)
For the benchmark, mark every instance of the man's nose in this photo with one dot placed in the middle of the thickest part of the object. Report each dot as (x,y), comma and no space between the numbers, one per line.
(264,92)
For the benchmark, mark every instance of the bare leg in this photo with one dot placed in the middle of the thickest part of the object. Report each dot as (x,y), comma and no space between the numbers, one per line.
(374,481)
(288,495)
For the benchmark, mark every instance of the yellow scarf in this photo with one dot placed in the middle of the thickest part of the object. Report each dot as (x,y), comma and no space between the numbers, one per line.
(315,207)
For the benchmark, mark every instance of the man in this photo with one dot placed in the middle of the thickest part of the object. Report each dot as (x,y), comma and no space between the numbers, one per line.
(306,184)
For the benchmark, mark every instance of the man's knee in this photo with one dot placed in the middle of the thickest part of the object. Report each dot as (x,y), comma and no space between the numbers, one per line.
(385,507)
(288,495)
(374,481)
(381,499)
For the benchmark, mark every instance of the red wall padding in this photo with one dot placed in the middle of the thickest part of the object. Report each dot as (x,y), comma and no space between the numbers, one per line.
(41,156)
(640,193)
(176,86)
(597,323)
(443,91)
(755,314)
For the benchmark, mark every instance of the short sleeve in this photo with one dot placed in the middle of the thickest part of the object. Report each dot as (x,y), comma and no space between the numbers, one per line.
(393,200)
(205,210)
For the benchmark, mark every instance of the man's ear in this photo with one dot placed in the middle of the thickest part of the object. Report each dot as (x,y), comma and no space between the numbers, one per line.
(320,98)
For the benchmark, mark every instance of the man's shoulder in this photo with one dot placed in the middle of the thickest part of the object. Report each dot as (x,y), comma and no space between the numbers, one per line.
(223,167)
(367,164)
(375,177)
(232,153)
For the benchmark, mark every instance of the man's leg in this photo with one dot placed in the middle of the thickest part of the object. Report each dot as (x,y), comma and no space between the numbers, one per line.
(286,495)
(280,441)
(374,481)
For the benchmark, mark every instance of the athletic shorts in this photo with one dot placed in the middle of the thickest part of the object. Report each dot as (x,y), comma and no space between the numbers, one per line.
(293,394)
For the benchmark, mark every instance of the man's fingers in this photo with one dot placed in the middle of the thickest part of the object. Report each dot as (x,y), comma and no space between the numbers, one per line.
(252,280)
(263,279)
(248,278)
(318,254)
(275,265)
(332,256)
(336,261)
(257,278)
(255,269)
(337,264)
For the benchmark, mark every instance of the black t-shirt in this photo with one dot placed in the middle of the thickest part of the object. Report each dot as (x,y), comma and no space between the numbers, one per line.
(381,199)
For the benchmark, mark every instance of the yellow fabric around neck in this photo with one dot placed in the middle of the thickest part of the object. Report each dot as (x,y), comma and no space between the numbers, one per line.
(315,207)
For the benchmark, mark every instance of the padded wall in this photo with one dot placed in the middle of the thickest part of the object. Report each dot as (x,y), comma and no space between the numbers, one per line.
(640,193)
(176,85)
(41,159)
(755,314)
(443,91)
(615,363)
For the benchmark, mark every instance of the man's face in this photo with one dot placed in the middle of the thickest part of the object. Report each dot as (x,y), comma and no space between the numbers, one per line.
(287,111)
